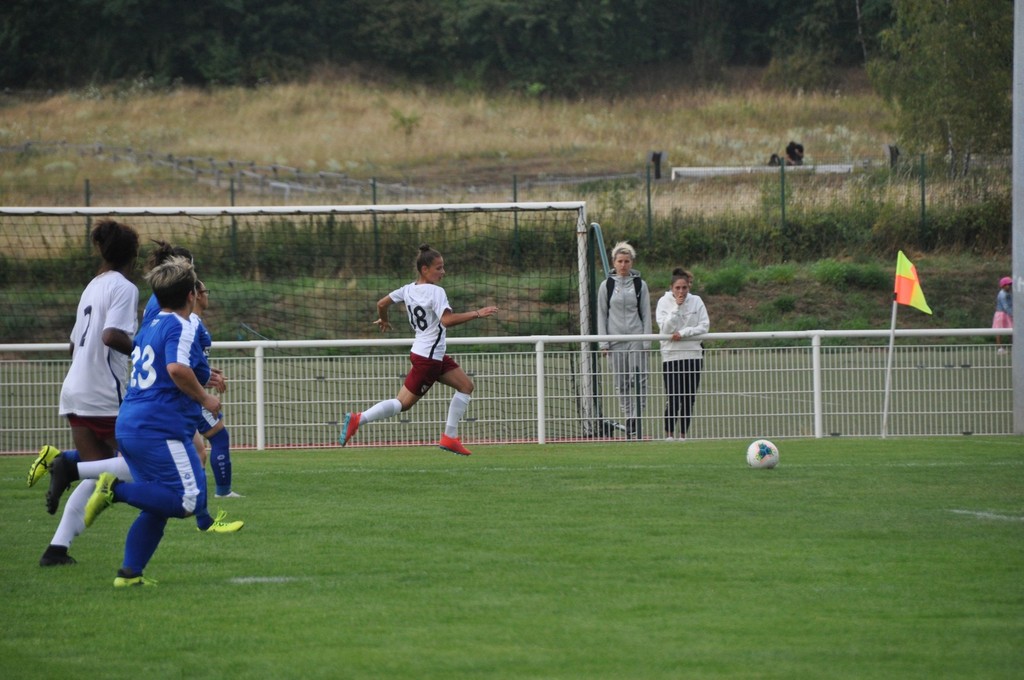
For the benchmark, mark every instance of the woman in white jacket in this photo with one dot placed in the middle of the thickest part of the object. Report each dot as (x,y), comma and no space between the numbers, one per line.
(682,315)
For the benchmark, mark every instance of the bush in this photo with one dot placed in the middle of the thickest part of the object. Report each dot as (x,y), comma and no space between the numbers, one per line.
(728,280)
(844,275)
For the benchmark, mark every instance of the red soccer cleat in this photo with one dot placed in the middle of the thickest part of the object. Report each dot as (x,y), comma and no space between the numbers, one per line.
(350,426)
(453,444)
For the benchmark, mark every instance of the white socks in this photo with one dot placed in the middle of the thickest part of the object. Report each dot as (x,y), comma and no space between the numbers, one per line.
(93,468)
(72,522)
(457,409)
(392,407)
(381,410)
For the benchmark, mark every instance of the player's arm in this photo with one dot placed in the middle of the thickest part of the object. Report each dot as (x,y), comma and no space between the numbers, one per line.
(383,305)
(217,380)
(450,318)
(185,378)
(117,339)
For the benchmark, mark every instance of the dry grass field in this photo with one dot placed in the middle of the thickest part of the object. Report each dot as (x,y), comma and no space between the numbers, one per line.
(341,123)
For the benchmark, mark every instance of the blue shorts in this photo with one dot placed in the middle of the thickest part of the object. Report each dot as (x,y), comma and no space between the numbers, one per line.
(171,462)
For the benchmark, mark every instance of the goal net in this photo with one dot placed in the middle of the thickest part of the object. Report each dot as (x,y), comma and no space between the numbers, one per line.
(312,273)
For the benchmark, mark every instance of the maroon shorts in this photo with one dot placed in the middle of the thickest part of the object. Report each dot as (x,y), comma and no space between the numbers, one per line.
(101,426)
(425,372)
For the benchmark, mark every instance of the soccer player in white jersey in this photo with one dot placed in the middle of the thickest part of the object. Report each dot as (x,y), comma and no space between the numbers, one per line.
(430,316)
(156,424)
(91,395)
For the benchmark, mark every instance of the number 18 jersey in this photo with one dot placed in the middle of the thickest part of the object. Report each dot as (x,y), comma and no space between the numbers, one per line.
(425,303)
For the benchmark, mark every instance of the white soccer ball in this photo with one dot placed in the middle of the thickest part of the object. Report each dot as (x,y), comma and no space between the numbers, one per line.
(762,454)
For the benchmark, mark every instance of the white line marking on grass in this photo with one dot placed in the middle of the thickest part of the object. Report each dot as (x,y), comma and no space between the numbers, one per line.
(468,469)
(246,580)
(988,515)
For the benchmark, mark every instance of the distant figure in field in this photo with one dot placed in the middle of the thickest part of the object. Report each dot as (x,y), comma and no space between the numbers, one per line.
(794,155)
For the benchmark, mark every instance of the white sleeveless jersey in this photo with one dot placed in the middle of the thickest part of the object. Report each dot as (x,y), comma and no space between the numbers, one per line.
(96,381)
(425,303)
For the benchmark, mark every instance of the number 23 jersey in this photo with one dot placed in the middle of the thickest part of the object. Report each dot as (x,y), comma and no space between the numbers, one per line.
(154,406)
(425,303)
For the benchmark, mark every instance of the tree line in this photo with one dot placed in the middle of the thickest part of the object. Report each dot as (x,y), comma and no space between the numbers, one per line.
(945,65)
(556,46)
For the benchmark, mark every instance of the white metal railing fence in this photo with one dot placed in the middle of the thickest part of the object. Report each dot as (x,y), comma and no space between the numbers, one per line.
(559,388)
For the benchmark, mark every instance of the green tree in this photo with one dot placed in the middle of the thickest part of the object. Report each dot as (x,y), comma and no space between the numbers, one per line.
(947,68)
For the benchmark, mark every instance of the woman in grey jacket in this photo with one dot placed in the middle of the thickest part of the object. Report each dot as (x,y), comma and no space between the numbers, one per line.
(624,308)
(683,316)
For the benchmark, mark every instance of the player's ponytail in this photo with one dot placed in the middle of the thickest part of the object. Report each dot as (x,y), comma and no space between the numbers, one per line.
(426,257)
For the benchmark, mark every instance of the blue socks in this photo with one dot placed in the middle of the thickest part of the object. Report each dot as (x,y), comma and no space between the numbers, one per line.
(143,538)
(220,461)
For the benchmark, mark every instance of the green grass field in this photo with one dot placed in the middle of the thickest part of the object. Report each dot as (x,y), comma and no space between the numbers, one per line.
(855,558)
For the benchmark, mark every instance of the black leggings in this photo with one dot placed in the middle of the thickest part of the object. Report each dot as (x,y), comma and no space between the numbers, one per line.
(682,379)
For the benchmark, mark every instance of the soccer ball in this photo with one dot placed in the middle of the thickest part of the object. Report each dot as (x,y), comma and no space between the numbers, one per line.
(762,454)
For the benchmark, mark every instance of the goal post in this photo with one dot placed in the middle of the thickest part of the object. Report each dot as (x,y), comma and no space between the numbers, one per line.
(315,272)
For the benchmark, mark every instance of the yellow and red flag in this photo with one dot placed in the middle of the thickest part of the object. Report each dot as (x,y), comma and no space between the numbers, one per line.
(908,286)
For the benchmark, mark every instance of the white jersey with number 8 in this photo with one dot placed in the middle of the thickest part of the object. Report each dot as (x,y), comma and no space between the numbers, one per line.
(425,303)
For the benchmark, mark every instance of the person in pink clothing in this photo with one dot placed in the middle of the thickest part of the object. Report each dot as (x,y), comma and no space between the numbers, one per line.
(1003,317)
(430,316)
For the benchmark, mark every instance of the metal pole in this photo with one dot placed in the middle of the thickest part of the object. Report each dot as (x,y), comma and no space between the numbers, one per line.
(816,385)
(1017,265)
(888,369)
(541,433)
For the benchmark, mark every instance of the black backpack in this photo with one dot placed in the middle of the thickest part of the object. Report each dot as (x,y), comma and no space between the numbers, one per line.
(637,285)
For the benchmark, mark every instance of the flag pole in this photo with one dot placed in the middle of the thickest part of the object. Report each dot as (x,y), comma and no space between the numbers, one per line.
(888,368)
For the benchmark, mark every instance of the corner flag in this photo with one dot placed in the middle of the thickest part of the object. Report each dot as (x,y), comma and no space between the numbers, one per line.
(908,286)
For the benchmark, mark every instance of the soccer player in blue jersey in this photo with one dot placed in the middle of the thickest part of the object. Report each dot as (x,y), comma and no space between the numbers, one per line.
(430,316)
(209,426)
(156,424)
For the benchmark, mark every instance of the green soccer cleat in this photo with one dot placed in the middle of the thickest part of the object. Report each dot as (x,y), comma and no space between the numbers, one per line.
(41,465)
(125,579)
(101,499)
(220,526)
